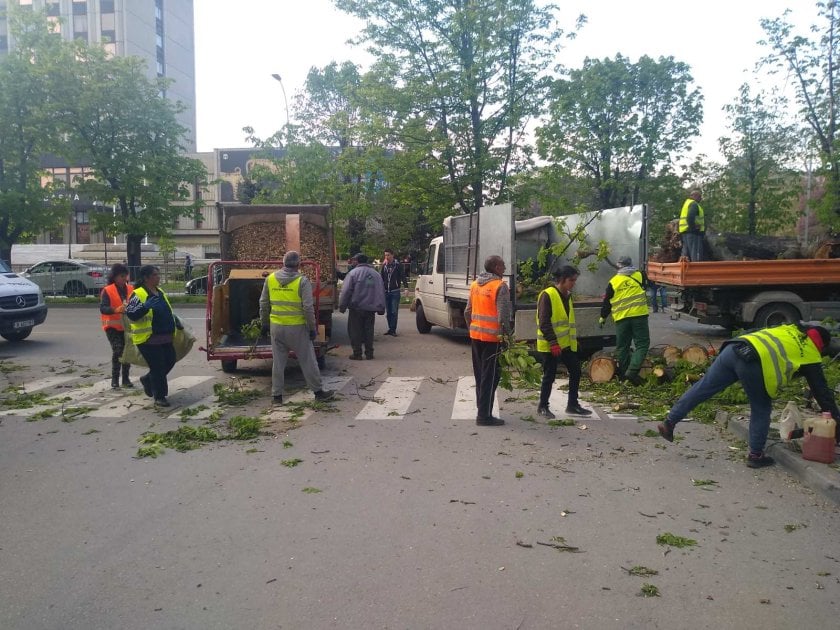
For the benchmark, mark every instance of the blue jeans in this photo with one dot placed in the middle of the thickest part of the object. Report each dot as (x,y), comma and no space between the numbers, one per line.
(392,308)
(727,369)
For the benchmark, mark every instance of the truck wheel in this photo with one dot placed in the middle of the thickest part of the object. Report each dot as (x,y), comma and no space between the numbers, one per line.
(17,335)
(423,326)
(229,366)
(776,314)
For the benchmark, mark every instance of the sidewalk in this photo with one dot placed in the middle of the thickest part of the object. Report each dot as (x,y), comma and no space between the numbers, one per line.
(822,478)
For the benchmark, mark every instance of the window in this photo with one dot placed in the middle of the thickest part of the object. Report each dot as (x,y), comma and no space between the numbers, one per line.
(106,6)
(108,21)
(80,27)
(53,8)
(79,7)
(160,72)
(430,260)
(441,268)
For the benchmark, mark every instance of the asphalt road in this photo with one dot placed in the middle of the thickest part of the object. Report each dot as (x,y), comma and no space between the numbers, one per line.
(399,514)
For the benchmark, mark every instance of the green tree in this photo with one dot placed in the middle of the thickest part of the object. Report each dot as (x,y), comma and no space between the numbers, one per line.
(461,79)
(27,131)
(621,124)
(757,188)
(120,124)
(814,65)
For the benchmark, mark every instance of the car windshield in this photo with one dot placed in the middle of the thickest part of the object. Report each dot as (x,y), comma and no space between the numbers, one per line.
(4,268)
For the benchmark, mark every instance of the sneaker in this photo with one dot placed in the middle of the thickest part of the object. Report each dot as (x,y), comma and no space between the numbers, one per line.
(489,422)
(355,357)
(545,413)
(577,410)
(147,385)
(277,400)
(322,395)
(391,333)
(666,431)
(162,402)
(115,383)
(759,460)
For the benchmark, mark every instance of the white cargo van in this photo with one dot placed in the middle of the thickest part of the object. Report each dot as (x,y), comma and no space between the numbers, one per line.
(22,305)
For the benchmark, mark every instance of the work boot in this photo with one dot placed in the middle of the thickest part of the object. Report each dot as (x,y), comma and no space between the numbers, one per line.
(542,410)
(277,400)
(323,395)
(126,382)
(634,379)
(490,421)
(368,355)
(577,410)
(115,377)
(162,402)
(666,430)
(146,382)
(355,357)
(759,460)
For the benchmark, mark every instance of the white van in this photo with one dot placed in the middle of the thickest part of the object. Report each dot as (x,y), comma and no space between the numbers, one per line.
(22,305)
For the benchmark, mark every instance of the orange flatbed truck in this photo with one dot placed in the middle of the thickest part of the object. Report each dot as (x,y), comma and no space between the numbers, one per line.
(753,293)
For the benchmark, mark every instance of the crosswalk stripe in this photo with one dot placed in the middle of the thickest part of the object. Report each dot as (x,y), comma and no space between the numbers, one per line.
(392,399)
(46,383)
(464,406)
(124,405)
(335,383)
(71,398)
(208,401)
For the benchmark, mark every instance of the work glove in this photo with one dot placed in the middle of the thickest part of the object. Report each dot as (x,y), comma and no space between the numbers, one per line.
(312,335)
(265,331)
(556,350)
(601,322)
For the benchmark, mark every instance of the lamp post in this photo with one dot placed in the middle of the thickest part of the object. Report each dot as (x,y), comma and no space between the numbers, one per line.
(277,78)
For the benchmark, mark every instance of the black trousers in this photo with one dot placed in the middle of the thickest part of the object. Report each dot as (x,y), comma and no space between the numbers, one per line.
(117,340)
(572,362)
(360,329)
(161,360)
(485,359)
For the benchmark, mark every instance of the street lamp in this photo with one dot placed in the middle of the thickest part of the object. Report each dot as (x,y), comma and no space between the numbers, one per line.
(276,77)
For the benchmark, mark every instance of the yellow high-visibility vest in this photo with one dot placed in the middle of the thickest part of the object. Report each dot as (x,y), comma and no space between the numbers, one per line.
(286,303)
(629,299)
(562,322)
(700,221)
(141,329)
(782,350)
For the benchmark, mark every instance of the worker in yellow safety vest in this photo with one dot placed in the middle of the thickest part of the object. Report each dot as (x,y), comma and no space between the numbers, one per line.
(626,299)
(763,361)
(487,315)
(692,227)
(287,313)
(557,341)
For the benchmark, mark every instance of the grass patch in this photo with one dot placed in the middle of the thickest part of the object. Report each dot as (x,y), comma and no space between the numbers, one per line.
(234,394)
(674,541)
(7,367)
(43,414)
(649,590)
(181,439)
(519,474)
(311,490)
(704,482)
(14,397)
(244,427)
(190,412)
(565,422)
(641,571)
(287,444)
(291,463)
(71,414)
(792,527)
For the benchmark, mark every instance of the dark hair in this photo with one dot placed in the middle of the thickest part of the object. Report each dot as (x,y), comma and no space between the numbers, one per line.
(491,261)
(566,271)
(118,269)
(388,250)
(144,273)
(360,258)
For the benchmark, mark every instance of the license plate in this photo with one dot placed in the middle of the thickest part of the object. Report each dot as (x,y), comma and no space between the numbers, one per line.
(24,323)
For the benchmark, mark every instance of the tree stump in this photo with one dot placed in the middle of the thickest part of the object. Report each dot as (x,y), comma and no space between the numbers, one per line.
(663,374)
(646,368)
(601,369)
(695,354)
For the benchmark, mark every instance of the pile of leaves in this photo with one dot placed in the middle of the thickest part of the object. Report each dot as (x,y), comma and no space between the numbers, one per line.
(187,438)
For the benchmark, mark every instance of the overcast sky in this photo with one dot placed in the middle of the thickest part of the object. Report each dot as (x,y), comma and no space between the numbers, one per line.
(240,44)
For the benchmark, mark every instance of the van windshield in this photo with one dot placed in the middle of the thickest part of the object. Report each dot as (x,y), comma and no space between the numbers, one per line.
(4,268)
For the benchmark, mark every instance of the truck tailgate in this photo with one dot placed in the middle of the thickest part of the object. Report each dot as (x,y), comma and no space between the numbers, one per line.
(746,272)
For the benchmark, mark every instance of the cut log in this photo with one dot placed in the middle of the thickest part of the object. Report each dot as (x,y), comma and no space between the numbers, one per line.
(692,378)
(646,368)
(663,374)
(601,369)
(623,406)
(733,246)
(695,354)
(669,354)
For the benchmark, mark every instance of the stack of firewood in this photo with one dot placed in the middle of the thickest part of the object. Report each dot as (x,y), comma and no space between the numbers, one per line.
(259,241)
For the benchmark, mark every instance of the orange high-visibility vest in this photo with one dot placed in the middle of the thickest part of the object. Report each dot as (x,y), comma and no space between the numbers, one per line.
(484,322)
(114,320)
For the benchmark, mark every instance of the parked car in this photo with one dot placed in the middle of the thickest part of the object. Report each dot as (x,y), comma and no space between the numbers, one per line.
(22,305)
(72,278)
(196,286)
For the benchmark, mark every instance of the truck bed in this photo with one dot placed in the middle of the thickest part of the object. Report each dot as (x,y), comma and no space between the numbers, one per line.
(730,273)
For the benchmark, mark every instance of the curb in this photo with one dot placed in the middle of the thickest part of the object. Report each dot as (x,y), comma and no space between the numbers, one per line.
(818,477)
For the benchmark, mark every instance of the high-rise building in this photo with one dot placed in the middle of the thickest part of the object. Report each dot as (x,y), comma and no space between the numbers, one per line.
(159,31)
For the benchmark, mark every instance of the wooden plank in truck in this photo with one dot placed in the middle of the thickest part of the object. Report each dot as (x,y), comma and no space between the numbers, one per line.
(746,272)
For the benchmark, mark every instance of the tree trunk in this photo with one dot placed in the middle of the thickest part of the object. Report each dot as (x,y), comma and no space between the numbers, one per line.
(133,253)
(733,246)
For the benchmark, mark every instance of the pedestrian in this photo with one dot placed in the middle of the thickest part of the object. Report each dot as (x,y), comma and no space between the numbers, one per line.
(364,294)
(188,267)
(763,361)
(626,299)
(112,301)
(287,313)
(657,296)
(488,315)
(153,325)
(692,227)
(557,340)
(394,282)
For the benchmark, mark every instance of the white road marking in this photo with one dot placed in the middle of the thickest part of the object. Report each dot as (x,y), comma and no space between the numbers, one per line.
(335,383)
(392,399)
(45,383)
(464,407)
(110,408)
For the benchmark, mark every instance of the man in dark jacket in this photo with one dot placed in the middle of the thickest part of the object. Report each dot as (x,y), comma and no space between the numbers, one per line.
(364,294)
(394,280)
(763,361)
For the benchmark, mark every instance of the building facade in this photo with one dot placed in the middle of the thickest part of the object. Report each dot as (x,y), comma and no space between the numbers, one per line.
(161,32)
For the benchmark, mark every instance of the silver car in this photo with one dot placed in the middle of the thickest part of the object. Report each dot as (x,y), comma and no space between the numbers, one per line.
(72,278)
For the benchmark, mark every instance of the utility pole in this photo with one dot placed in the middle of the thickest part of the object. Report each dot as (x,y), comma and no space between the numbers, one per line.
(277,78)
